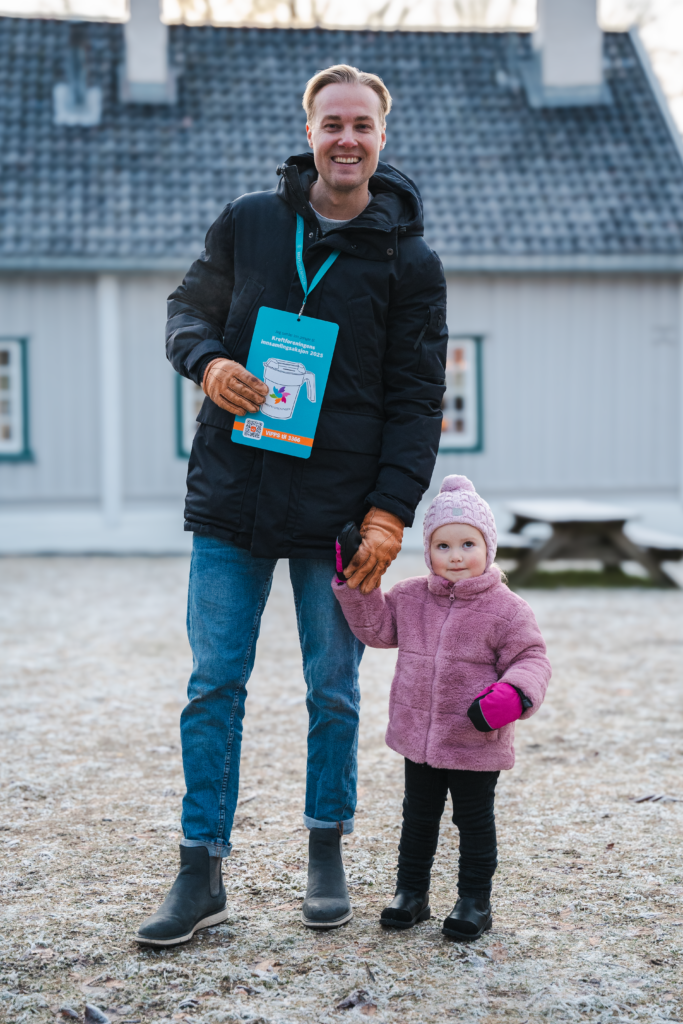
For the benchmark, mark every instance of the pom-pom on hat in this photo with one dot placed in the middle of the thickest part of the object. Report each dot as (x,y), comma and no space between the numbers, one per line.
(458,502)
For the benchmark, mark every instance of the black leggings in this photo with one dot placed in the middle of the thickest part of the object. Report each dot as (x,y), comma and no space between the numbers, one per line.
(472,794)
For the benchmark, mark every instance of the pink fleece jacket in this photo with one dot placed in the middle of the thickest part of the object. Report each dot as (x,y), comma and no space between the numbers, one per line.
(454,640)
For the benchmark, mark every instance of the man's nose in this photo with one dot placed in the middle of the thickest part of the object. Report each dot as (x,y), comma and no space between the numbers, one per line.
(348,139)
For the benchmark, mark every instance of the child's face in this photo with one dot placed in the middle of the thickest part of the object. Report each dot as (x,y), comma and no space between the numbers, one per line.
(458,552)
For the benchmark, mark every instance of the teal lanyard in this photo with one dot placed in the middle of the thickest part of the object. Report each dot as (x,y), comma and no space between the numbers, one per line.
(300,263)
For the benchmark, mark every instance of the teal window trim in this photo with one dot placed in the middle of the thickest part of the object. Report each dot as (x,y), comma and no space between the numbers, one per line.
(445,443)
(181,396)
(25,455)
(179,447)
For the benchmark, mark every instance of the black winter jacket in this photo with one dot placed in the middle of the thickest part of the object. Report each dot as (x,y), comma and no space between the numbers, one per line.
(380,419)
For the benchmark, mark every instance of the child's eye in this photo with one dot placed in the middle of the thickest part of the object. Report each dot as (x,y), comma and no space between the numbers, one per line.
(468,544)
(442,546)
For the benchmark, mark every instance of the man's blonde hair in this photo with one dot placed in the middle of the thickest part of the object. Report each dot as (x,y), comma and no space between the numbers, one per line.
(345,74)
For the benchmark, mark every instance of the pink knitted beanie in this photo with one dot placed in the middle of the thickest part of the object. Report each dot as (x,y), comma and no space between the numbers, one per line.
(458,502)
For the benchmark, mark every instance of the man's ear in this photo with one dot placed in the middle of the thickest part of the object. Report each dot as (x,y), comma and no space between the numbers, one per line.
(384,140)
(308,136)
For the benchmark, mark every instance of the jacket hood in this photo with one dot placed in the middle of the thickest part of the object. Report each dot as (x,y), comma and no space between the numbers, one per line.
(396,205)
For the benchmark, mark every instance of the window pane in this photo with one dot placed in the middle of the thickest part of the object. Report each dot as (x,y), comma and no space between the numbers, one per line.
(12,431)
(460,426)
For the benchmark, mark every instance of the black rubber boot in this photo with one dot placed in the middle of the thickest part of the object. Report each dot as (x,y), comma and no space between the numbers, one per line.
(406,909)
(468,919)
(196,900)
(327,903)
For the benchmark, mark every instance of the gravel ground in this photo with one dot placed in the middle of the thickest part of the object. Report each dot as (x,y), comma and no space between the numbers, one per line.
(587,901)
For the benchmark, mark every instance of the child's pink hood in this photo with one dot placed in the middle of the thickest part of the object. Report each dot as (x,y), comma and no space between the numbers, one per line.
(454,640)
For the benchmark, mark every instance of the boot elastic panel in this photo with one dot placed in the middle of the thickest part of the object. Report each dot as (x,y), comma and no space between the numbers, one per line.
(327,903)
(196,900)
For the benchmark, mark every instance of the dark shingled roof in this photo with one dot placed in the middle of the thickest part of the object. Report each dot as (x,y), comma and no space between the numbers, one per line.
(500,180)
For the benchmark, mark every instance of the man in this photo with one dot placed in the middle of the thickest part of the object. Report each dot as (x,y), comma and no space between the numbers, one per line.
(372,458)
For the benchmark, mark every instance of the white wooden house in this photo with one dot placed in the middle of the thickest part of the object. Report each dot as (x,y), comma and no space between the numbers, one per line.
(552,176)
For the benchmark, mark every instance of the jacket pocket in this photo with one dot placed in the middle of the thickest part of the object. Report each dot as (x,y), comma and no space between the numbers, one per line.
(432,341)
(213,416)
(364,330)
(346,432)
(241,310)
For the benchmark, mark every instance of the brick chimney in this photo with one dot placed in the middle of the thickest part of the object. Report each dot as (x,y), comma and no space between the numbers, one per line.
(75,103)
(570,43)
(146,76)
(567,66)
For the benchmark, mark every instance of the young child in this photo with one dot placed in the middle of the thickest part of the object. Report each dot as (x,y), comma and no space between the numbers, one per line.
(471,661)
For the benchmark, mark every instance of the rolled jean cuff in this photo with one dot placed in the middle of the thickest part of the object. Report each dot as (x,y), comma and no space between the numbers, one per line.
(215,849)
(347,826)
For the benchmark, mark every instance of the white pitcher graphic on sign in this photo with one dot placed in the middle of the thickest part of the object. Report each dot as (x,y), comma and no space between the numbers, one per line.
(284,380)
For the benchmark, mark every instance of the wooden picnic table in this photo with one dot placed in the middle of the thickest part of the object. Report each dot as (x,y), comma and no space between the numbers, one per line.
(586,531)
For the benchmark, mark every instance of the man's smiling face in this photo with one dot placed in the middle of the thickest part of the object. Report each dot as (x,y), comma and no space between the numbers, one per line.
(346,135)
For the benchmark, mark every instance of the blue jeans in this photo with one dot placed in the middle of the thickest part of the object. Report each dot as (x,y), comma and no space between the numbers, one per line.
(228,592)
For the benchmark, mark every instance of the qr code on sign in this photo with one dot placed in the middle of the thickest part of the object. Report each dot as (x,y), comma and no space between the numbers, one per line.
(253,429)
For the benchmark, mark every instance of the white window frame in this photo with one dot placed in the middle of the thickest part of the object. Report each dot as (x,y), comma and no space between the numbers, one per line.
(464,382)
(14,400)
(189,398)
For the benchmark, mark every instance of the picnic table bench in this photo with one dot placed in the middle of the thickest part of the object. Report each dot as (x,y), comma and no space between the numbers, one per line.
(582,531)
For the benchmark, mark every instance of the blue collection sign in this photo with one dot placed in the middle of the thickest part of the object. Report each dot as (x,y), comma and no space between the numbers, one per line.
(293,355)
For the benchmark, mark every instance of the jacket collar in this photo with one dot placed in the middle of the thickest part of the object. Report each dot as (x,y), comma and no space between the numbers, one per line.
(464,590)
(396,209)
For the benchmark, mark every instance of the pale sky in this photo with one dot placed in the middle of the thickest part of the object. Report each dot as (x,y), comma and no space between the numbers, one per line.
(660,21)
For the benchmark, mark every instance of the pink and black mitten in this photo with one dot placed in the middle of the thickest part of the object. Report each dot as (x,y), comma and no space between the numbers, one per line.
(346,546)
(496,706)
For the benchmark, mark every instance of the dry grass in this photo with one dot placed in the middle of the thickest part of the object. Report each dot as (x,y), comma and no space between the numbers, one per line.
(587,901)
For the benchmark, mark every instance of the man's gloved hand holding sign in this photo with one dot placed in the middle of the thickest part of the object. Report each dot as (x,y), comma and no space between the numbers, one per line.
(232,387)
(382,533)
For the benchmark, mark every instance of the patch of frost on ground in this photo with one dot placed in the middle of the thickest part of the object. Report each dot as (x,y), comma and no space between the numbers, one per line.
(587,899)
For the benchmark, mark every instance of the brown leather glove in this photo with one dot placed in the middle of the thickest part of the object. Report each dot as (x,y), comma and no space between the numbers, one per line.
(232,387)
(382,533)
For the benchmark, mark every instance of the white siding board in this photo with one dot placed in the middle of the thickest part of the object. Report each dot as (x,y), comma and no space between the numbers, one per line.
(57,315)
(152,469)
(579,395)
(582,380)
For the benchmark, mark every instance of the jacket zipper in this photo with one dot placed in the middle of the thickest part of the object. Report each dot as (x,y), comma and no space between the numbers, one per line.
(429,728)
(421,336)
